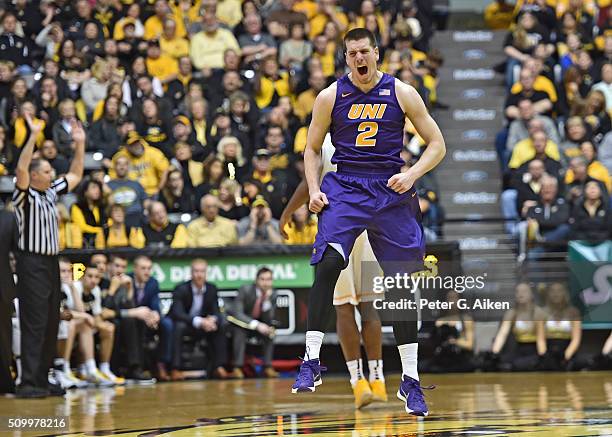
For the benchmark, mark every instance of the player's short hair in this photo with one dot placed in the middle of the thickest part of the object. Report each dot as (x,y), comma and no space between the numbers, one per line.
(357,34)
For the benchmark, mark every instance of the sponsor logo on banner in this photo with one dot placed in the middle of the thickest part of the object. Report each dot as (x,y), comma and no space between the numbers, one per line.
(477,243)
(473,94)
(474,74)
(474,114)
(475,176)
(474,135)
(471,198)
(474,54)
(475,155)
(471,36)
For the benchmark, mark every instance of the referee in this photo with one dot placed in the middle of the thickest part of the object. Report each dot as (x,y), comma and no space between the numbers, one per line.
(38,287)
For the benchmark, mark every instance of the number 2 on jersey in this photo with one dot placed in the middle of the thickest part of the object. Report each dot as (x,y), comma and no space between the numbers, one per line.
(368,130)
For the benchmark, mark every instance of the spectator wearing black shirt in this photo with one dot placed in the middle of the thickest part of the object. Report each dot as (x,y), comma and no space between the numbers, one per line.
(176,197)
(550,213)
(48,150)
(14,48)
(213,175)
(160,232)
(230,204)
(155,128)
(591,217)
(540,99)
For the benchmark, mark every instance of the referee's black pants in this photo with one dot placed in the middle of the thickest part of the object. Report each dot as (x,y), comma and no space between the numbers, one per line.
(6,333)
(38,290)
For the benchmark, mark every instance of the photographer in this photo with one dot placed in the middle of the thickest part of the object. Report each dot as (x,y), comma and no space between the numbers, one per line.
(259,226)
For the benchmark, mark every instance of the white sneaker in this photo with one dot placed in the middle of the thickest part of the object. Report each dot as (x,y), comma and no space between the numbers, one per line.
(99,379)
(78,383)
(117,380)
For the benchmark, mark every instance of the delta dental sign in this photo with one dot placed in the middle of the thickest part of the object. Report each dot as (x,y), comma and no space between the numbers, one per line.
(232,272)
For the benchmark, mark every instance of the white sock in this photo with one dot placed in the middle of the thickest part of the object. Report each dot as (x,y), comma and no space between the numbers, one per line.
(314,340)
(409,354)
(67,366)
(58,363)
(376,370)
(104,368)
(355,368)
(90,366)
(18,364)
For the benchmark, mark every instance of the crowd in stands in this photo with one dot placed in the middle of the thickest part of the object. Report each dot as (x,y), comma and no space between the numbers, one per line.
(555,149)
(196,111)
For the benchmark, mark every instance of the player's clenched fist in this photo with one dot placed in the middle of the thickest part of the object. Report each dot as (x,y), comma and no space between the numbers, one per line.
(401,182)
(318,200)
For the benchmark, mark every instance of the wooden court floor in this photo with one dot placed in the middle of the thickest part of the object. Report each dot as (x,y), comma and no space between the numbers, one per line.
(536,404)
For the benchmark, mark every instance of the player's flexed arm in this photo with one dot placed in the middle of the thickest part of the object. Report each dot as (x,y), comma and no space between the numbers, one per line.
(321,119)
(426,127)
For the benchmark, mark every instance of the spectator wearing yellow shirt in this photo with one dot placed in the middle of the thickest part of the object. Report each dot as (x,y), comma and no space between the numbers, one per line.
(211,230)
(328,11)
(172,45)
(118,234)
(271,84)
(302,229)
(132,17)
(536,146)
(163,67)
(209,45)
(229,12)
(89,216)
(498,15)
(595,168)
(147,164)
(325,53)
(305,101)
(70,235)
(154,26)
(21,131)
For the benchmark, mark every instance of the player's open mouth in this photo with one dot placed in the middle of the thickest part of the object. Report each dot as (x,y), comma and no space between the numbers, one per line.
(363,70)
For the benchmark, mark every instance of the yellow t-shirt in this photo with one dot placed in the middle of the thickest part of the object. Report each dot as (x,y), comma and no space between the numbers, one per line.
(318,22)
(207,51)
(304,104)
(162,67)
(221,232)
(229,12)
(154,27)
(269,87)
(146,169)
(174,48)
(524,151)
(305,236)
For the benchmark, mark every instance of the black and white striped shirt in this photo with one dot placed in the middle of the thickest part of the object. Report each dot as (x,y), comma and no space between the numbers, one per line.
(37,218)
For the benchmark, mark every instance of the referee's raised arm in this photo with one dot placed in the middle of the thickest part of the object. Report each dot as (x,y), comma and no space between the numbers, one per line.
(23,165)
(75,173)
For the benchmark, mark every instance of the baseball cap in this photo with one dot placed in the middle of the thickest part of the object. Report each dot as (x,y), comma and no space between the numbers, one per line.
(182,119)
(262,153)
(134,138)
(259,201)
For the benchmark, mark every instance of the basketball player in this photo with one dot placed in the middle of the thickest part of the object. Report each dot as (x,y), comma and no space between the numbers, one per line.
(348,294)
(365,113)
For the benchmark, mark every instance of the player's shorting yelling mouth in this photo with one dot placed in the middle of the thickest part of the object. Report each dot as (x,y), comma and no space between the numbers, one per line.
(362,70)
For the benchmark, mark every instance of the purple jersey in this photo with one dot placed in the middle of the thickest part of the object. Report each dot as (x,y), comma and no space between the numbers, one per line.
(367,129)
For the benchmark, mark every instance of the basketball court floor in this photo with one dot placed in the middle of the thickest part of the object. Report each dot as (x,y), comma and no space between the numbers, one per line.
(491,404)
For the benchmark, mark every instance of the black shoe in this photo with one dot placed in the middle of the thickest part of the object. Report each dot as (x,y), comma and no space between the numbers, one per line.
(56,390)
(30,392)
(139,377)
(440,105)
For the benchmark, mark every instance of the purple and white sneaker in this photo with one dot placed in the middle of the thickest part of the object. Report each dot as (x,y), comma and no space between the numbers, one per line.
(410,391)
(309,377)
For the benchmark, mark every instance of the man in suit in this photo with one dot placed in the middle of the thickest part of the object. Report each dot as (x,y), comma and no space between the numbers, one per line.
(8,235)
(146,293)
(195,311)
(253,314)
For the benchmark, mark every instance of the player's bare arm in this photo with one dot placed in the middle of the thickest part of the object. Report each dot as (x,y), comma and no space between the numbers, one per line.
(321,119)
(299,197)
(416,111)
